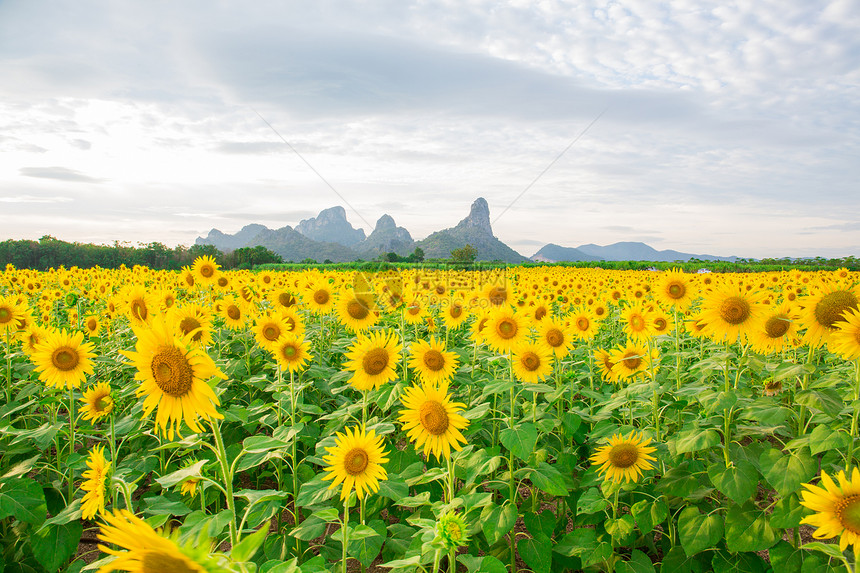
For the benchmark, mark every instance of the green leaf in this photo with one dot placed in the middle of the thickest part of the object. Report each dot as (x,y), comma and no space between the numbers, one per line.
(787,512)
(785,472)
(536,552)
(315,491)
(490,564)
(548,479)
(592,501)
(578,541)
(23,499)
(181,475)
(520,440)
(497,521)
(620,527)
(738,482)
(698,532)
(829,549)
(639,563)
(53,545)
(725,562)
(678,481)
(394,488)
(824,400)
(72,512)
(248,546)
(747,529)
(365,541)
(825,439)
(497,387)
(695,440)
(675,561)
(163,505)
(541,524)
(785,558)
(648,514)
(571,422)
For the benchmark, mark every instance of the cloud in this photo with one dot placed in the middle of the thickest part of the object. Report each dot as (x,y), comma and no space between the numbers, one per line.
(34,199)
(59,173)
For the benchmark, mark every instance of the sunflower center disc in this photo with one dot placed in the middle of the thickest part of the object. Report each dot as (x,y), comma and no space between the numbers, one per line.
(776,326)
(171,371)
(623,455)
(64,358)
(271,332)
(413,310)
(103,403)
(456,311)
(434,418)
(530,361)
(582,323)
(675,290)
(321,296)
(507,329)
(222,281)
(289,352)
(286,299)
(540,313)
(91,324)
(735,310)
(156,562)
(355,461)
(632,361)
(440,289)
(434,360)
(848,513)
(660,324)
(554,338)
(138,309)
(357,310)
(233,312)
(207,271)
(188,325)
(498,295)
(5,315)
(375,361)
(831,306)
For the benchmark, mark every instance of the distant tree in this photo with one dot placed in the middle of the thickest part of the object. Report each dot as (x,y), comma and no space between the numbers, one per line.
(392,257)
(465,254)
(417,255)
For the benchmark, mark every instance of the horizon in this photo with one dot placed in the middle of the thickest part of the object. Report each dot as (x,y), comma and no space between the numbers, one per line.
(719,130)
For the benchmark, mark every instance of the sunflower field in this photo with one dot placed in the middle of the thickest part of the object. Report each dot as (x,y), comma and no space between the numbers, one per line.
(526,418)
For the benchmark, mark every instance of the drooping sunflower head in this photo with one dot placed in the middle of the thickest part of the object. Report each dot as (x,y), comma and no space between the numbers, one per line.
(356,461)
(373,359)
(432,420)
(624,458)
(432,362)
(93,501)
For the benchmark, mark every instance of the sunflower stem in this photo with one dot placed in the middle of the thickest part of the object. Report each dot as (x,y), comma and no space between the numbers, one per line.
(113,459)
(345,530)
(450,479)
(71,442)
(227,476)
(804,382)
(8,369)
(677,350)
(513,485)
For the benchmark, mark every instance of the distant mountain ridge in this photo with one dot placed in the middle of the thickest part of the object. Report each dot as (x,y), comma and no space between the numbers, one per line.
(330,236)
(621,251)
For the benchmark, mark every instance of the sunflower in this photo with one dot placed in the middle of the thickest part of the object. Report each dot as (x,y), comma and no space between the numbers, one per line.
(451,529)
(836,507)
(268,329)
(92,325)
(10,314)
(556,336)
(93,501)
(479,326)
(823,309)
(505,329)
(414,310)
(432,362)
(139,305)
(282,298)
(661,322)
(356,311)
(356,460)
(205,270)
(291,352)
(674,289)
(532,362)
(319,298)
(605,365)
(374,360)
(195,321)
(638,322)
(455,312)
(148,551)
(432,420)
(729,312)
(173,374)
(845,341)
(31,337)
(624,458)
(775,330)
(97,402)
(234,311)
(63,360)
(632,360)
(583,323)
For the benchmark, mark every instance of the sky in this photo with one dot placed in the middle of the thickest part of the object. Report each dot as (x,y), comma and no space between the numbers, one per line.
(722,128)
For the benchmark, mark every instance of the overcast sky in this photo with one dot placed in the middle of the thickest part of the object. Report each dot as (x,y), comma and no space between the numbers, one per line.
(727,128)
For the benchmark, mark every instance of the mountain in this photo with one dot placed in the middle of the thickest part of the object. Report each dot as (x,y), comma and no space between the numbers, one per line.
(331,226)
(622,251)
(294,246)
(474,230)
(386,237)
(225,243)
(552,253)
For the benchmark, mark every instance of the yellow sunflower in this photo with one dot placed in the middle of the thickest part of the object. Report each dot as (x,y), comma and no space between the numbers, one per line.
(775,330)
(432,420)
(63,360)
(31,337)
(836,507)
(373,359)
(139,305)
(583,323)
(824,308)
(845,341)
(674,289)
(97,402)
(729,312)
(173,374)
(291,352)
(10,314)
(205,270)
(454,313)
(505,329)
(532,362)
(605,365)
(195,321)
(556,335)
(432,362)
(269,328)
(93,501)
(624,458)
(632,360)
(282,298)
(234,311)
(319,297)
(638,322)
(356,460)
(148,551)
(356,311)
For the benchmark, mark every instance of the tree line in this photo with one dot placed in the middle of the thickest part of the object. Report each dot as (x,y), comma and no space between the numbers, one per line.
(49,252)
